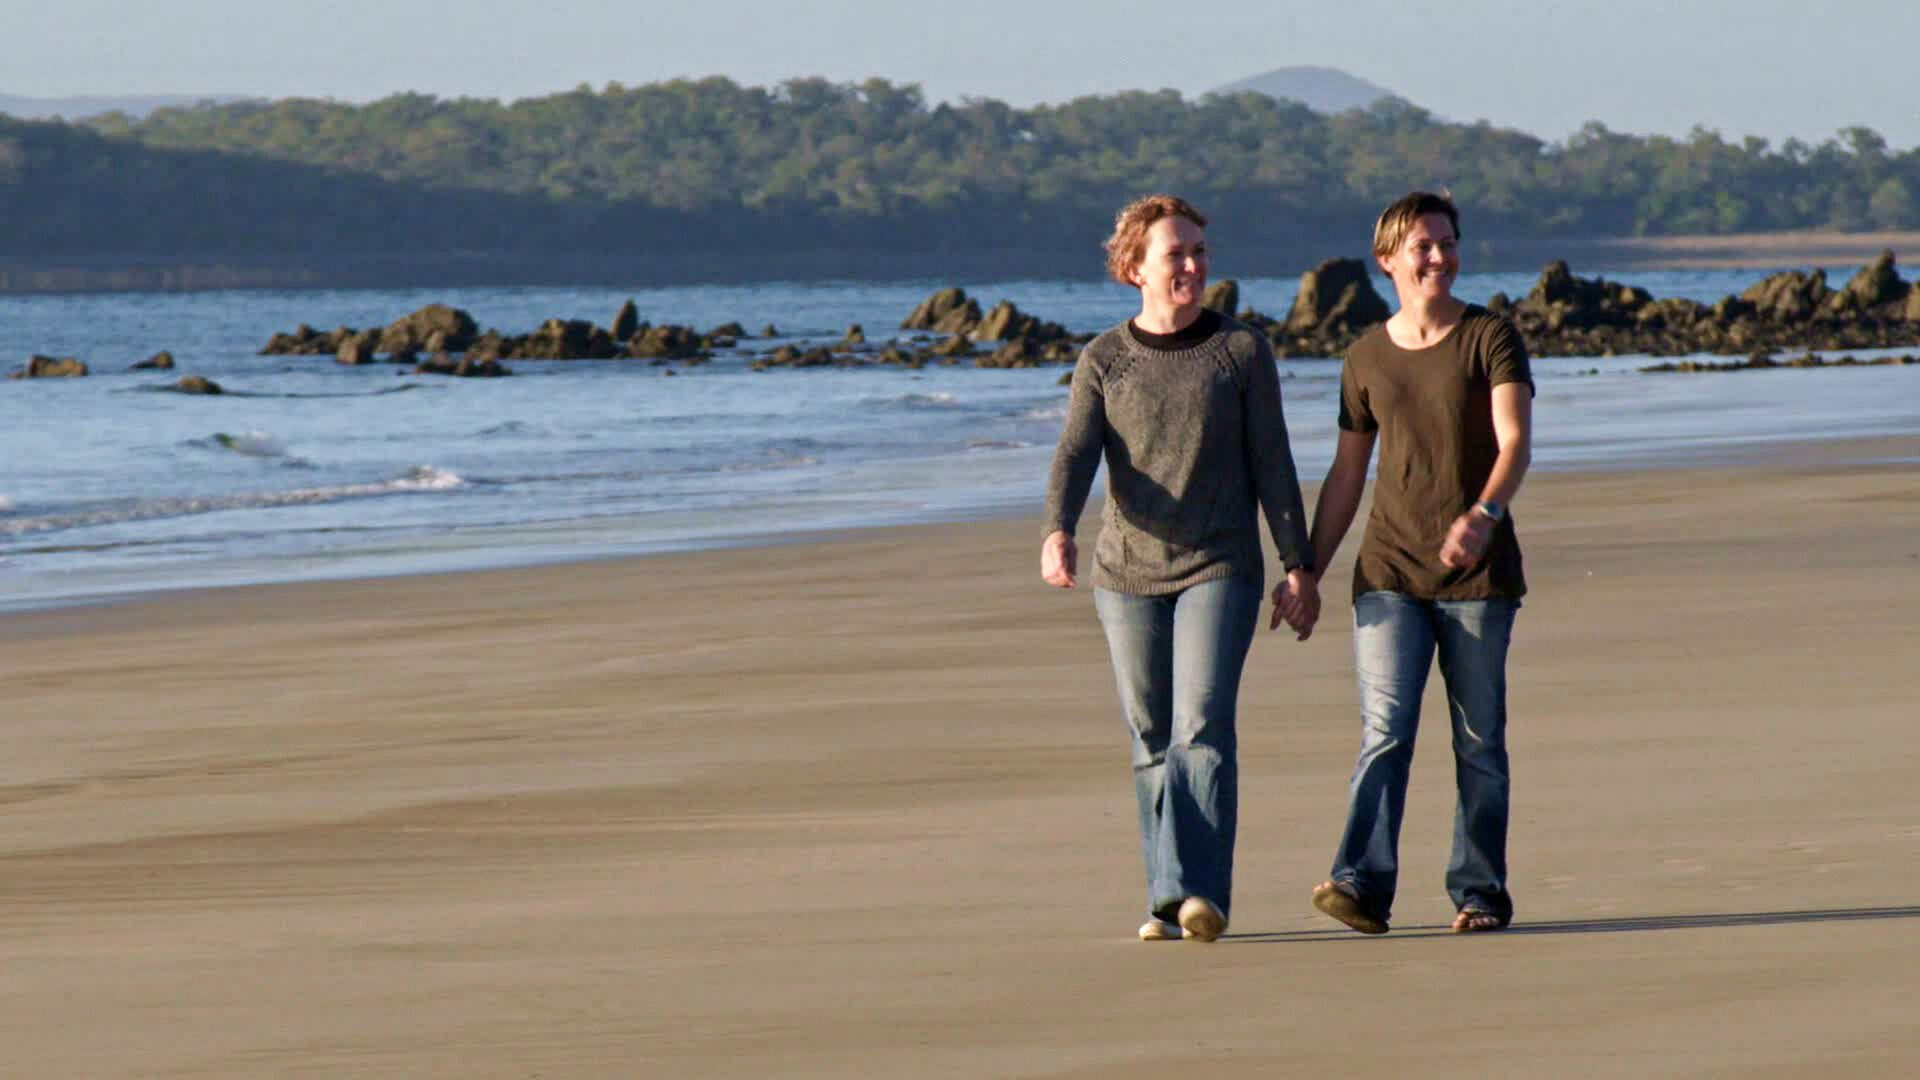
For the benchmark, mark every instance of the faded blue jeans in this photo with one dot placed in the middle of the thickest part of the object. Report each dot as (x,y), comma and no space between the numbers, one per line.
(1177,660)
(1395,637)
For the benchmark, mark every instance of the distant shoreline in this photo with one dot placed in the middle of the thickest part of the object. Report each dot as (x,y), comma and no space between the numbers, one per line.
(1613,255)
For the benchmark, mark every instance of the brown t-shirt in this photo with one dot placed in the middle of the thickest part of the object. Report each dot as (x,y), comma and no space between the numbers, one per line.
(1433,408)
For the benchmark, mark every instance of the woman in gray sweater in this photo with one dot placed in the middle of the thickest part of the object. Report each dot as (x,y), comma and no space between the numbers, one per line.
(1184,405)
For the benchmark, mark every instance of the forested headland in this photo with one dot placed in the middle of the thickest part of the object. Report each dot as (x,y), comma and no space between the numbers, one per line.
(709,179)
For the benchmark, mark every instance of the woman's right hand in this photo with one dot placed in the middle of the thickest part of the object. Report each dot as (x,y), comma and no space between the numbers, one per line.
(1058,558)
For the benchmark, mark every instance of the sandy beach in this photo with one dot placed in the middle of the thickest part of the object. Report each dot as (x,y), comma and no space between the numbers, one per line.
(860,807)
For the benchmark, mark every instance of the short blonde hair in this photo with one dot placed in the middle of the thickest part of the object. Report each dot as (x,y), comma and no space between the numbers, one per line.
(1397,221)
(1128,244)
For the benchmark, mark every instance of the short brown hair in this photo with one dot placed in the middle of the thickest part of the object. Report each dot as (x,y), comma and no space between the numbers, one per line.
(1128,244)
(1396,221)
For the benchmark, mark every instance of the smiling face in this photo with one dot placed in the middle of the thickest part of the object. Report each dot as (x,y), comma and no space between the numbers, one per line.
(1172,272)
(1427,261)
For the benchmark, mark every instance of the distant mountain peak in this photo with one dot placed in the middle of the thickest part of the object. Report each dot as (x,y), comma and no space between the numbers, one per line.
(1322,89)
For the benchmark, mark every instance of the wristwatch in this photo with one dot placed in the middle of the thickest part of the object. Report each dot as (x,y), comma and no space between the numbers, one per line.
(1492,511)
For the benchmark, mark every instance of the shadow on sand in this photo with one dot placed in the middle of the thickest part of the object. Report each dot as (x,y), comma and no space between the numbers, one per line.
(1604,926)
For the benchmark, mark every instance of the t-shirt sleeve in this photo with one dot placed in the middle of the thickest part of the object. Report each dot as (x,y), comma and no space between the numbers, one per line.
(1506,357)
(1356,413)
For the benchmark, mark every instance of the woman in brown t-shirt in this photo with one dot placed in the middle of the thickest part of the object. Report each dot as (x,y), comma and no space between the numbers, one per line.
(1445,388)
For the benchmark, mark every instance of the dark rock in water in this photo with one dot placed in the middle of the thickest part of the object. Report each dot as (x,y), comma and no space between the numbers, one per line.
(52,367)
(160,361)
(1336,298)
(732,330)
(197,384)
(1562,301)
(412,332)
(566,339)
(405,356)
(788,356)
(957,345)
(1223,297)
(488,346)
(357,348)
(1788,297)
(1004,323)
(626,322)
(936,307)
(1017,353)
(768,330)
(1877,286)
(1007,323)
(855,336)
(304,341)
(668,343)
(467,367)
(1067,379)
(959,320)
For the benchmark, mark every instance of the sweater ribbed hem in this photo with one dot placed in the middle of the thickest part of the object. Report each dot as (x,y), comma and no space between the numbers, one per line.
(1133,585)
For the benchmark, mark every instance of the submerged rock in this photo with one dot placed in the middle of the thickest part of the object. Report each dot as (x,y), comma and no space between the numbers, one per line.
(52,367)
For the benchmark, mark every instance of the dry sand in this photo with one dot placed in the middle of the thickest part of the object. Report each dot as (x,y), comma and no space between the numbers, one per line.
(1794,250)
(861,808)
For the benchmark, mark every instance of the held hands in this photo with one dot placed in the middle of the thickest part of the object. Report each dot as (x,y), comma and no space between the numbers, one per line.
(1467,540)
(1058,558)
(1296,601)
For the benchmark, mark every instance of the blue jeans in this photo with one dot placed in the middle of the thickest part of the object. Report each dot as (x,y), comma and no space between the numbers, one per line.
(1177,660)
(1394,640)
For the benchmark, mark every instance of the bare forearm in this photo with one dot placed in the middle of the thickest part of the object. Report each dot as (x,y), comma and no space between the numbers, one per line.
(1509,469)
(1333,514)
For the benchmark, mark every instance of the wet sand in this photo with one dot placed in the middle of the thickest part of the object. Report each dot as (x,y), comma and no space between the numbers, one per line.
(860,807)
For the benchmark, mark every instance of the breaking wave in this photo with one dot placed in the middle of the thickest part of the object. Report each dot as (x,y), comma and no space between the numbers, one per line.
(420,478)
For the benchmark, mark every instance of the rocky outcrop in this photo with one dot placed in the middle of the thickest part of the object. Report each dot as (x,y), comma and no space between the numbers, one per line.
(469,366)
(1335,298)
(52,367)
(357,348)
(456,330)
(625,322)
(936,308)
(1566,315)
(160,361)
(1335,305)
(564,339)
(1223,297)
(668,343)
(197,384)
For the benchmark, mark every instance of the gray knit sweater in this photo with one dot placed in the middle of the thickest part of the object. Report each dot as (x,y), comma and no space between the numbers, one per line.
(1194,439)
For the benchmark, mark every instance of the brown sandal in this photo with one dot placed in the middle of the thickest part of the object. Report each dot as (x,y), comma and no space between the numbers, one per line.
(1472,920)
(1341,900)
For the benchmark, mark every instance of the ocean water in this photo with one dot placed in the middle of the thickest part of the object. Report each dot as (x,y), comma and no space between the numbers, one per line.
(309,469)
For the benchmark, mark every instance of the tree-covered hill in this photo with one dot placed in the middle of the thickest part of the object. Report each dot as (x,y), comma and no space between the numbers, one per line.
(712,165)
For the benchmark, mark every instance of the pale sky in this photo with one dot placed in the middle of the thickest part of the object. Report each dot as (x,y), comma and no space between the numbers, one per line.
(1774,68)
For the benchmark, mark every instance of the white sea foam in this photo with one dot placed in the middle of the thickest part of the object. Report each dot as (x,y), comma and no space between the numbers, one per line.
(421,478)
(427,478)
(935,400)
